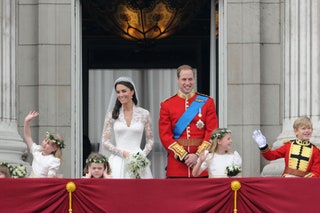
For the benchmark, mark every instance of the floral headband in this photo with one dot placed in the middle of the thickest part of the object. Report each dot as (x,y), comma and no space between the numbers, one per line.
(50,136)
(97,160)
(220,133)
(18,171)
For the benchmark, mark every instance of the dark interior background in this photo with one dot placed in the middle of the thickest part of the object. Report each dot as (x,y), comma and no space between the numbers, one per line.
(102,49)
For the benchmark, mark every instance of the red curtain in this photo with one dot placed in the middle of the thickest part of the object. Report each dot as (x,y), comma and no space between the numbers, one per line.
(160,195)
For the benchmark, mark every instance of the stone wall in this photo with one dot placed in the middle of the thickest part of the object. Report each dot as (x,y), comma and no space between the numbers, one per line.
(44,69)
(254,75)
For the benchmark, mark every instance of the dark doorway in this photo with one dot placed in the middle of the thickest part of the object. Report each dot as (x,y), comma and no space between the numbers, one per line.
(102,49)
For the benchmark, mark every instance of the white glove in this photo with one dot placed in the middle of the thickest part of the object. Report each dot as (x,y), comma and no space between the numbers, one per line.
(259,138)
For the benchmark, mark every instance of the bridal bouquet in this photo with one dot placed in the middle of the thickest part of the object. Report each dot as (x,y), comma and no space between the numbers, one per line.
(233,170)
(19,171)
(136,164)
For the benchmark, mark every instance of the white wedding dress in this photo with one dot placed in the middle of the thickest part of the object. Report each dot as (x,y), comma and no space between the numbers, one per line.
(127,138)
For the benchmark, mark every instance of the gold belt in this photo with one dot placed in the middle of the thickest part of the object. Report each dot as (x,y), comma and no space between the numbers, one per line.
(190,142)
(295,172)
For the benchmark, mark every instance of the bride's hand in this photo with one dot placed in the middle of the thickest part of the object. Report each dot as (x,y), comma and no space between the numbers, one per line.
(126,154)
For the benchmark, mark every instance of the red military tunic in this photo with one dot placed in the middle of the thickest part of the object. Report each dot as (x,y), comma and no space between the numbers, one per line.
(302,158)
(197,134)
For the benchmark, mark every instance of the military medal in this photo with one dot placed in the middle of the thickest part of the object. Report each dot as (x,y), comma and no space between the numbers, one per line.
(200,123)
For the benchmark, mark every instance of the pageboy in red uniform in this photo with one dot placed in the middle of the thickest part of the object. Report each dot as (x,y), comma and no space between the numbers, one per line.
(302,158)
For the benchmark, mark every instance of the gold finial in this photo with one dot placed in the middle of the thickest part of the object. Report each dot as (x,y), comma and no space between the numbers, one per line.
(235,186)
(71,187)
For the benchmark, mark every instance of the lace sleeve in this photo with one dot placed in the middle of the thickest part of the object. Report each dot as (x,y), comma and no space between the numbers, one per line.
(148,133)
(107,136)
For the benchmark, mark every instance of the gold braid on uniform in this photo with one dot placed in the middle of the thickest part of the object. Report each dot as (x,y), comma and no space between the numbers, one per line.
(309,175)
(179,151)
(204,146)
(300,155)
(264,149)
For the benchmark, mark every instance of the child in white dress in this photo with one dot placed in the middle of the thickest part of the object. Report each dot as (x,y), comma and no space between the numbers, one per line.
(47,156)
(219,161)
(97,166)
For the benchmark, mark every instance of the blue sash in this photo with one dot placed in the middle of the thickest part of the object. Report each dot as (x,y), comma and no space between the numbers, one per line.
(188,115)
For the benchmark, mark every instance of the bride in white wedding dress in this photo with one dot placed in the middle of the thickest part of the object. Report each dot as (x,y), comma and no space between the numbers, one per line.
(124,125)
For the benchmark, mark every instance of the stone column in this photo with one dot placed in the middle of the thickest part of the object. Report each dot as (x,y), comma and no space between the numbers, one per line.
(301,72)
(12,146)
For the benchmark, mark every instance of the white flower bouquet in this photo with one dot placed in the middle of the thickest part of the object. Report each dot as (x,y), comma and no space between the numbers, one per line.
(19,171)
(136,164)
(232,170)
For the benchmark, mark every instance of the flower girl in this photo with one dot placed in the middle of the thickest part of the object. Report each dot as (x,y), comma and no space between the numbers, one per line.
(97,166)
(47,157)
(219,161)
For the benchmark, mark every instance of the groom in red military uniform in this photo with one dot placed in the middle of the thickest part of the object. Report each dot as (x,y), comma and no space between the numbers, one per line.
(186,122)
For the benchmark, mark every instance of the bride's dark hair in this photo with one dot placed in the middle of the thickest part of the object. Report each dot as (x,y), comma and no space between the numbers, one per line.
(117,105)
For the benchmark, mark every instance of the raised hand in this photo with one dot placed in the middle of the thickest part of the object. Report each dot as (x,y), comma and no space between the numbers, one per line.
(26,127)
(259,138)
(31,115)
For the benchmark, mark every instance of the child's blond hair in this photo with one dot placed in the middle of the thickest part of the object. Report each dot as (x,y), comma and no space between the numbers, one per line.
(56,140)
(217,134)
(302,121)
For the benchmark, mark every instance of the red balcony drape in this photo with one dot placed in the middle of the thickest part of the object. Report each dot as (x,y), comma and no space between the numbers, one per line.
(256,195)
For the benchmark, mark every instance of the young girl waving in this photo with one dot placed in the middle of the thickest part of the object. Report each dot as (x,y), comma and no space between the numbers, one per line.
(219,161)
(47,156)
